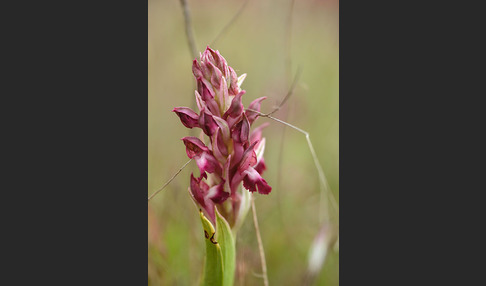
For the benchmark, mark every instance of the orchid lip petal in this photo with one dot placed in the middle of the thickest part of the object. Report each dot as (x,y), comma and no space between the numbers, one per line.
(254,182)
(194,146)
(207,163)
(260,166)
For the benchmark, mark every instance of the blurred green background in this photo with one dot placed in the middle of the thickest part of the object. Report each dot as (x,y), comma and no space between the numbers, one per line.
(259,44)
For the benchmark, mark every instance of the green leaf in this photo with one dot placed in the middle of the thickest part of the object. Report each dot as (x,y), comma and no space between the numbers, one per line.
(213,265)
(227,243)
(219,266)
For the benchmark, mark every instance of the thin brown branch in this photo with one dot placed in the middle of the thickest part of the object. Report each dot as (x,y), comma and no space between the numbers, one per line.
(230,23)
(188,28)
(260,244)
(170,180)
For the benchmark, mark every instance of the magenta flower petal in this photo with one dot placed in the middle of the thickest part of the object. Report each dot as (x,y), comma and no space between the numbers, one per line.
(220,144)
(254,182)
(187,116)
(260,166)
(207,163)
(219,61)
(216,75)
(207,55)
(207,123)
(217,193)
(218,150)
(238,151)
(241,131)
(205,92)
(249,159)
(235,110)
(223,127)
(199,191)
(236,179)
(207,95)
(194,146)
(256,134)
(255,105)
(196,69)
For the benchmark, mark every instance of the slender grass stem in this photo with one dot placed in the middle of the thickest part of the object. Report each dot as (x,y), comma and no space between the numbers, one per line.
(288,41)
(260,244)
(230,23)
(289,93)
(288,74)
(324,186)
(170,180)
(188,28)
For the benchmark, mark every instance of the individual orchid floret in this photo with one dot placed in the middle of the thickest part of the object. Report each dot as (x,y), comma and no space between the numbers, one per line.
(207,122)
(188,117)
(232,155)
(207,196)
(195,149)
(254,105)
(253,182)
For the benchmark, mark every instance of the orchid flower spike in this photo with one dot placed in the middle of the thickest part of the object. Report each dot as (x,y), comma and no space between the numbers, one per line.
(232,155)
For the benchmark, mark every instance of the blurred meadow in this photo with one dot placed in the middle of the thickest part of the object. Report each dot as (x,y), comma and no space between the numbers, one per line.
(260,44)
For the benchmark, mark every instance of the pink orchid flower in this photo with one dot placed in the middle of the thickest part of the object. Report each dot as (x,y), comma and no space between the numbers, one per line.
(232,155)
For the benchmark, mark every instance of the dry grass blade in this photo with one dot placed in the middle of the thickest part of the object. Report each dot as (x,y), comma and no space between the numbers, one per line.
(324,186)
(170,180)
(260,244)
(188,28)
(289,93)
(230,23)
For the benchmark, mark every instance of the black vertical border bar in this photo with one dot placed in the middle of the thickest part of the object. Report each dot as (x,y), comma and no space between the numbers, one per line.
(75,118)
(411,143)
